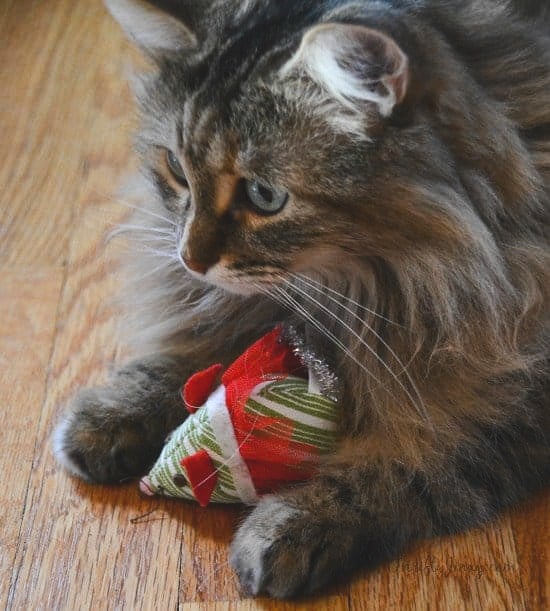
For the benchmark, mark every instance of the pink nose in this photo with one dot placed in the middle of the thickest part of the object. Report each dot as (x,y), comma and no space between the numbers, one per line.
(196,266)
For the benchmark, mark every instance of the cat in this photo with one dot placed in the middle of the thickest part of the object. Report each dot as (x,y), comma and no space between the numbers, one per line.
(374,176)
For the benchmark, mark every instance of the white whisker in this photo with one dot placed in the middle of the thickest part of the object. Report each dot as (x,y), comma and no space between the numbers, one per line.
(138,228)
(158,253)
(420,409)
(123,202)
(164,265)
(358,305)
(156,240)
(289,301)
(376,334)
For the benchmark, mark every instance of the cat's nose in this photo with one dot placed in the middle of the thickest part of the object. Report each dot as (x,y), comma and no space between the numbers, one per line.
(197,266)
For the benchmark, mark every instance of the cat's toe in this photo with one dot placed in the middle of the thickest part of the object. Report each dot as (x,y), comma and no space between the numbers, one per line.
(284,552)
(66,452)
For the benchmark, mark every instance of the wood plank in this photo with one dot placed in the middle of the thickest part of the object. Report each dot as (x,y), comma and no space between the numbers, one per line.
(68,53)
(85,539)
(263,604)
(475,570)
(28,305)
(531,528)
(206,575)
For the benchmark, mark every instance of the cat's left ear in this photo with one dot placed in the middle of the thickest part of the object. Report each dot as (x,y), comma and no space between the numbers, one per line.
(153,26)
(354,64)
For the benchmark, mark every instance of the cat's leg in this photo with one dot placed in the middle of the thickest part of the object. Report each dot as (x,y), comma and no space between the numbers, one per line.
(365,508)
(117,431)
(303,539)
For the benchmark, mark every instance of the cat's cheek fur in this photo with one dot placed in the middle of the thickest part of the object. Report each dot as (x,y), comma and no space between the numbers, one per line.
(220,277)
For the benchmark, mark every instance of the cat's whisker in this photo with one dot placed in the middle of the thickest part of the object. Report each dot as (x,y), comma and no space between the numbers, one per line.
(163,266)
(122,227)
(159,253)
(297,307)
(320,285)
(147,246)
(404,369)
(421,409)
(265,290)
(123,202)
(156,239)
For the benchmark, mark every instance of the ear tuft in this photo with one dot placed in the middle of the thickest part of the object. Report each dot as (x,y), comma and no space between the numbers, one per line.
(153,30)
(354,64)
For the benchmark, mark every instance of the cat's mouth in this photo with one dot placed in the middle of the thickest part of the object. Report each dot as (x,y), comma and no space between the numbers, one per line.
(234,279)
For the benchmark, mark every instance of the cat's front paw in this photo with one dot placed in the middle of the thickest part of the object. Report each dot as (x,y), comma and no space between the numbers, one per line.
(286,552)
(115,432)
(98,442)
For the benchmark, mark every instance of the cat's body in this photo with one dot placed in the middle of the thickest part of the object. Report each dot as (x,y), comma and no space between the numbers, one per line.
(412,255)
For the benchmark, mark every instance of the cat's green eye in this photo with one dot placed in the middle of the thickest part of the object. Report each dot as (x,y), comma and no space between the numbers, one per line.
(264,198)
(176,168)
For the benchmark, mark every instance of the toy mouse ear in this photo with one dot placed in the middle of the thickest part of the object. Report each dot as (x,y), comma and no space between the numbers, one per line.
(202,475)
(199,386)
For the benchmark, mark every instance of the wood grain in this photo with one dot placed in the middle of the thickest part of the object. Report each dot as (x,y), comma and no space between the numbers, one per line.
(66,120)
(477,570)
(531,530)
(28,308)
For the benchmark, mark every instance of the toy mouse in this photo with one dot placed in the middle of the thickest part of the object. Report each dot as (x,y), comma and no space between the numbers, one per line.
(264,426)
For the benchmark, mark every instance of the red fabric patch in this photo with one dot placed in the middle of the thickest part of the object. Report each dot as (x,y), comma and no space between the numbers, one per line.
(267,359)
(202,475)
(265,444)
(269,478)
(199,386)
(272,456)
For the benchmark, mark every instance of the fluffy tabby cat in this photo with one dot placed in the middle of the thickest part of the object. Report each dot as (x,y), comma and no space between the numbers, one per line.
(375,174)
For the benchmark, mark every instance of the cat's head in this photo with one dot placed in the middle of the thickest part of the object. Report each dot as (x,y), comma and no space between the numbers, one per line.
(292,137)
(278,135)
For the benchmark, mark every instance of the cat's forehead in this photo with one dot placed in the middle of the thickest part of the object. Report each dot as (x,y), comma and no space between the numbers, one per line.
(232,110)
(219,131)
(211,87)
(262,134)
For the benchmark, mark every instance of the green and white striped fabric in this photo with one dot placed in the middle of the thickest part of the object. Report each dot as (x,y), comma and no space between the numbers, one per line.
(298,416)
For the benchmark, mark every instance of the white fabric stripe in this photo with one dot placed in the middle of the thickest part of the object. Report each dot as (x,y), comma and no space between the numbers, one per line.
(291,414)
(225,437)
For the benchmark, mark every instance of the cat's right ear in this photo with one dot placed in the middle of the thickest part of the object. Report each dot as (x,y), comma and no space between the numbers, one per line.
(152,27)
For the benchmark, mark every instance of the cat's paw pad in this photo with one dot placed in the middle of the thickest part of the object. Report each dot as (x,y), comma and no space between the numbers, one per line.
(283,552)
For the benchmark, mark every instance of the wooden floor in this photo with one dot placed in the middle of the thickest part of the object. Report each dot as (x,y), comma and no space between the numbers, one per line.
(65,123)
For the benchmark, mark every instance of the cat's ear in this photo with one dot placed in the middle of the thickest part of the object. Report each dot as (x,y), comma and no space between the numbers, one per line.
(151,26)
(354,64)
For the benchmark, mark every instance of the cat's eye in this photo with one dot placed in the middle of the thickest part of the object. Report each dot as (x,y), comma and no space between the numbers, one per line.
(265,199)
(176,168)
